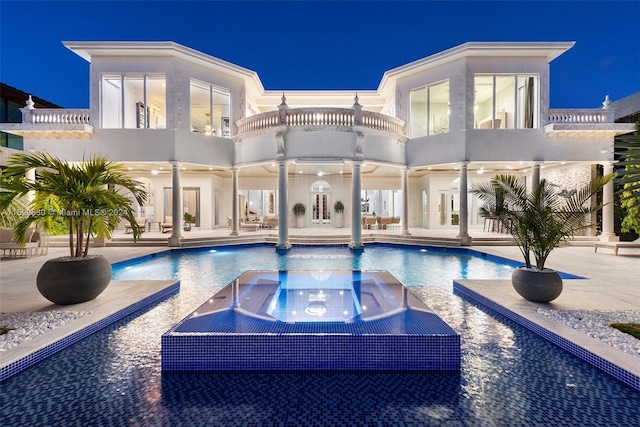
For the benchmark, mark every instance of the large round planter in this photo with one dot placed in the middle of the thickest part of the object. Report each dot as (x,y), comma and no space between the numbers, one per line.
(537,285)
(339,220)
(300,221)
(68,280)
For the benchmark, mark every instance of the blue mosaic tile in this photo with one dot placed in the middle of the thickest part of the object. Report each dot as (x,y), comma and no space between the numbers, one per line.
(41,354)
(593,359)
(221,336)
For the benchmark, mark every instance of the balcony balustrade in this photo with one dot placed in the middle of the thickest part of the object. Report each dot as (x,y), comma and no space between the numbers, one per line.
(583,115)
(55,116)
(321,118)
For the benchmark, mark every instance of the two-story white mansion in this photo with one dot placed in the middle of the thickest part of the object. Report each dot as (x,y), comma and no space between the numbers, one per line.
(207,138)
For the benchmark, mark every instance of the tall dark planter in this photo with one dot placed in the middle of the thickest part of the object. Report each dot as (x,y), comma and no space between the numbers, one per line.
(68,280)
(537,285)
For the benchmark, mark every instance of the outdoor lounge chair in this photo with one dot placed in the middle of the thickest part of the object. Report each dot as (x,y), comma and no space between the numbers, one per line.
(250,226)
(617,245)
(270,222)
(368,222)
(9,244)
(142,224)
(167,224)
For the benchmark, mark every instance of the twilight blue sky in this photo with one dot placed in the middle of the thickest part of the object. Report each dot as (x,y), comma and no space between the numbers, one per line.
(322,44)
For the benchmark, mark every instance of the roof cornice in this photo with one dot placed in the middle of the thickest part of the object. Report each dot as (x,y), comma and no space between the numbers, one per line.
(549,50)
(87,50)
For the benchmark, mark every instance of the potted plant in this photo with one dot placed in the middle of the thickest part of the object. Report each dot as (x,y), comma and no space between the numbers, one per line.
(539,222)
(188,220)
(88,196)
(338,208)
(299,209)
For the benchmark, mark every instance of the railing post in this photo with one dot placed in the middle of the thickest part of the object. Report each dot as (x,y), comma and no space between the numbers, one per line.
(26,111)
(282,108)
(357,112)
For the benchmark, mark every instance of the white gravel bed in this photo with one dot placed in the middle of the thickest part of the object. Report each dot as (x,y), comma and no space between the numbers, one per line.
(27,326)
(596,324)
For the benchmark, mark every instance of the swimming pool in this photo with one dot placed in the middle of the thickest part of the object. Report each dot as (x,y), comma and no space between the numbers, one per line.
(508,375)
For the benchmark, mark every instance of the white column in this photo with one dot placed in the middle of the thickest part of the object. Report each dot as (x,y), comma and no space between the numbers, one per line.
(234,202)
(463,235)
(176,212)
(31,177)
(535,175)
(608,232)
(356,219)
(283,206)
(405,202)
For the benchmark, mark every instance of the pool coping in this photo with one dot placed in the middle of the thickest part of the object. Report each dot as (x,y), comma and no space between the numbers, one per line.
(500,297)
(120,299)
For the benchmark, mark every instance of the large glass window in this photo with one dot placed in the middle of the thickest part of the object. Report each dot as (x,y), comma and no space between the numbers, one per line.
(381,202)
(210,108)
(429,110)
(506,101)
(258,203)
(133,101)
(190,202)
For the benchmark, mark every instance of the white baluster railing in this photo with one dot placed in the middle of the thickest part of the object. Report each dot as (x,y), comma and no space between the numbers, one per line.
(55,116)
(319,117)
(584,115)
(382,122)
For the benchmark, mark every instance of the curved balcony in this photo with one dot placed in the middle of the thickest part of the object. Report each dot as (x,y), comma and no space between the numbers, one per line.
(320,118)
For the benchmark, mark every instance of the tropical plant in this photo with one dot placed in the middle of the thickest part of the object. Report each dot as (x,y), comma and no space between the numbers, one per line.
(188,218)
(86,194)
(14,213)
(299,209)
(541,220)
(627,148)
(338,207)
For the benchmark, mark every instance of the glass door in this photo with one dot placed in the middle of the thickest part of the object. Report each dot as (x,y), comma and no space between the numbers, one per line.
(320,203)
(321,214)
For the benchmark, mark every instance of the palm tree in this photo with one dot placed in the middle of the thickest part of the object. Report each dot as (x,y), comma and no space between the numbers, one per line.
(541,220)
(86,194)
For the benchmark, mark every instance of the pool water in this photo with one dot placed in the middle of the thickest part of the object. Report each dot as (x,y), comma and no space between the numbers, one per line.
(509,377)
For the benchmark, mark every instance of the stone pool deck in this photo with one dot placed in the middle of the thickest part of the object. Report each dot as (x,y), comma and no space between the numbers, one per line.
(613,284)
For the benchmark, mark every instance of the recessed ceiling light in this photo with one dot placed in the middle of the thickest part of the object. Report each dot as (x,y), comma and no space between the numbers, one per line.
(154,172)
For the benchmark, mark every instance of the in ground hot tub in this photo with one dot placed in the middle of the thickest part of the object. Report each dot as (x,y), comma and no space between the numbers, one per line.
(312,320)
